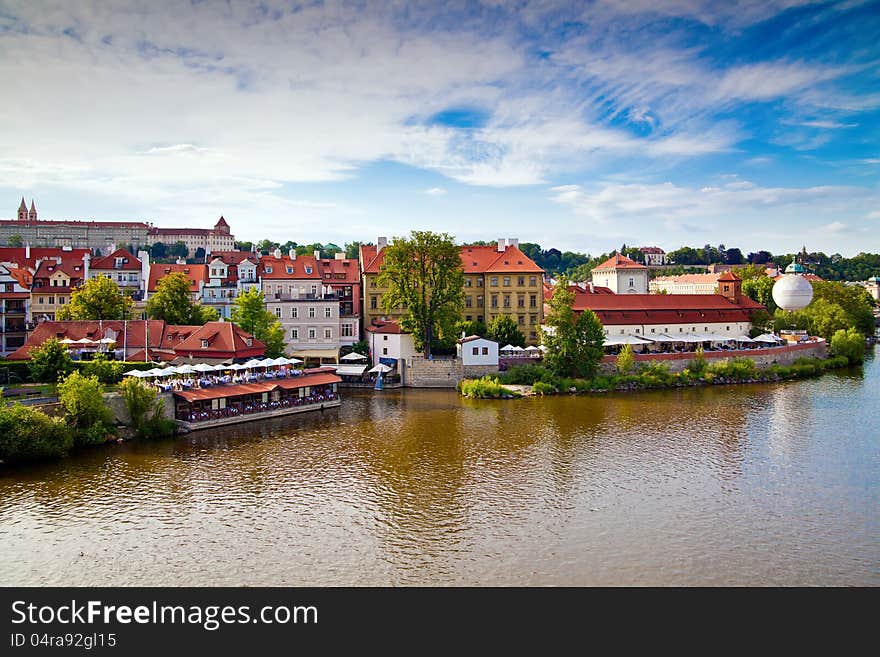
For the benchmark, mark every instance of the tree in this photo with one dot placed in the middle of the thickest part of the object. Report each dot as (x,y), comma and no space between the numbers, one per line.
(575,344)
(854,300)
(850,344)
(626,360)
(82,398)
(471,328)
(158,251)
(760,258)
(352,249)
(49,362)
(200,254)
(504,331)
(733,257)
(760,290)
(244,246)
(266,246)
(99,298)
(28,434)
(423,274)
(179,250)
(250,313)
(172,302)
(15,240)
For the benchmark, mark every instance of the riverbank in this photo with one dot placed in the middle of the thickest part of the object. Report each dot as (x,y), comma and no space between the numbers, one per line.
(531,380)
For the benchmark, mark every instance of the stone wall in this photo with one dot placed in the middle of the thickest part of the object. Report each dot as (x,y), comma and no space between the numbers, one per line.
(784,355)
(114,402)
(442,372)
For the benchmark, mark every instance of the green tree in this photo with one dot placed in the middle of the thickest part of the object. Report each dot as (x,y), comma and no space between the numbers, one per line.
(103,369)
(352,249)
(172,302)
(471,328)
(760,289)
(250,313)
(158,251)
(82,398)
(200,254)
(179,250)
(626,360)
(575,344)
(266,246)
(423,274)
(504,331)
(145,409)
(49,362)
(849,343)
(15,241)
(99,298)
(854,300)
(27,434)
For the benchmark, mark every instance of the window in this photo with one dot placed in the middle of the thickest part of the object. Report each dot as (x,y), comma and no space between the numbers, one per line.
(533,281)
(652,331)
(476,351)
(373,302)
(51,301)
(468,301)
(485,351)
(328,333)
(533,301)
(520,301)
(507,281)
(384,351)
(277,312)
(494,301)
(521,320)
(493,281)
(268,270)
(479,282)
(42,300)
(328,312)
(311,311)
(204,344)
(347,330)
(308,269)
(385,337)
(632,282)
(314,290)
(479,301)
(249,342)
(468,282)
(507,301)
(521,281)
(312,334)
(294,334)
(294,312)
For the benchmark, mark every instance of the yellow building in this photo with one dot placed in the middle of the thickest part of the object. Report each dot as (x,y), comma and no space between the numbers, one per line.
(498,280)
(54,281)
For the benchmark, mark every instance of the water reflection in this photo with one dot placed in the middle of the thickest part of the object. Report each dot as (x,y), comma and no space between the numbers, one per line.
(747,484)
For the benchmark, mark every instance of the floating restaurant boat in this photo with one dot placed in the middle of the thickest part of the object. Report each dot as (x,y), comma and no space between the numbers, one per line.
(206,407)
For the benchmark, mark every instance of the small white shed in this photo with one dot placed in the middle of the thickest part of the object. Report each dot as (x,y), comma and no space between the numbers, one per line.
(474,350)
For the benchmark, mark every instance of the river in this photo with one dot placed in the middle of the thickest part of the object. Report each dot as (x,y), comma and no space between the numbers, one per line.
(750,484)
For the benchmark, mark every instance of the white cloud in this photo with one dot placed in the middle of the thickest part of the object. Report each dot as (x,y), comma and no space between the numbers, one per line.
(435,191)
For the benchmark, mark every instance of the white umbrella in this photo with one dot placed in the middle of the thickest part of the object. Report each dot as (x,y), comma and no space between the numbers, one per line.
(615,340)
(67,341)
(203,367)
(532,347)
(509,347)
(168,371)
(744,338)
(381,367)
(107,341)
(153,372)
(237,367)
(767,337)
(517,349)
(186,369)
(253,362)
(84,341)
(294,361)
(138,374)
(353,356)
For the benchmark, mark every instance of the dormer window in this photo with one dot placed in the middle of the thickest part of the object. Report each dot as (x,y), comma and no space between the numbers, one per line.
(204,344)
(308,270)
(268,270)
(290,270)
(249,342)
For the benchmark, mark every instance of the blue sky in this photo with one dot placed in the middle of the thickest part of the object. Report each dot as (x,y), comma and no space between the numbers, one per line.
(575,125)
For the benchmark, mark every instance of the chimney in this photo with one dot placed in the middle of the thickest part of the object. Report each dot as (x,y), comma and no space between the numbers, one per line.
(317,255)
(291,253)
(27,250)
(502,245)
(340,256)
(277,254)
(381,243)
(513,241)
(144,257)
(87,260)
(592,291)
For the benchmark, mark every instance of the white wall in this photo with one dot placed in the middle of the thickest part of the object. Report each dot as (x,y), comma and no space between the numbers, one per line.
(466,352)
(391,345)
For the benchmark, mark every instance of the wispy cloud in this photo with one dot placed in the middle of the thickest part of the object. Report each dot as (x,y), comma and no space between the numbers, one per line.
(435,191)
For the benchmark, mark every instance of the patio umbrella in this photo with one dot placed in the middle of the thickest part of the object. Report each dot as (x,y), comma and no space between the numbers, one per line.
(381,367)
(186,369)
(517,349)
(768,338)
(253,362)
(625,339)
(662,337)
(744,338)
(168,371)
(67,341)
(138,374)
(294,361)
(107,341)
(237,367)
(508,347)
(203,367)
(84,341)
(353,356)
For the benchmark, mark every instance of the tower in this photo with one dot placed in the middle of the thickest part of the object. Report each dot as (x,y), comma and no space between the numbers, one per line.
(730,287)
(32,215)
(22,211)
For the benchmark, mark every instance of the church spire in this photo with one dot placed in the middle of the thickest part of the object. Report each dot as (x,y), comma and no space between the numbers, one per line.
(32,215)
(22,210)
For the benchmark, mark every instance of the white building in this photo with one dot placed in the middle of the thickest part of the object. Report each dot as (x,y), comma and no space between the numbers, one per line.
(474,350)
(685,284)
(388,341)
(654,256)
(622,275)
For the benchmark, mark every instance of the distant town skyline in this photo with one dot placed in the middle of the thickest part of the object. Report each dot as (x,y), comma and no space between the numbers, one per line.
(575,126)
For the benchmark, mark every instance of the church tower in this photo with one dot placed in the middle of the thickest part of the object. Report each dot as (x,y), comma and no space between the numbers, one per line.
(32,215)
(22,211)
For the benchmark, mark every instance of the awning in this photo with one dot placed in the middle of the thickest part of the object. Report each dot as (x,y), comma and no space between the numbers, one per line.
(315,353)
(225,392)
(662,337)
(615,340)
(351,370)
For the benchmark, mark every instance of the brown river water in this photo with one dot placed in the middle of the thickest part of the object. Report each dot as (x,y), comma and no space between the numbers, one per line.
(744,485)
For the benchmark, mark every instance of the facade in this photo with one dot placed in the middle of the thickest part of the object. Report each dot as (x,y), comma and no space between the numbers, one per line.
(340,276)
(654,256)
(130,272)
(218,238)
(474,350)
(622,275)
(498,280)
(14,309)
(685,284)
(727,313)
(197,275)
(53,283)
(388,341)
(873,287)
(96,235)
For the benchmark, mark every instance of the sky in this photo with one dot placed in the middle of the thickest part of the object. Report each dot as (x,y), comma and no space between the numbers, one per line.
(576,125)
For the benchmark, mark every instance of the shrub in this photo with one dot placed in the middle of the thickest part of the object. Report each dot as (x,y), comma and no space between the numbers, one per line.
(145,409)
(850,344)
(541,388)
(50,362)
(27,434)
(625,360)
(527,375)
(738,369)
(698,364)
(84,410)
(485,388)
(106,371)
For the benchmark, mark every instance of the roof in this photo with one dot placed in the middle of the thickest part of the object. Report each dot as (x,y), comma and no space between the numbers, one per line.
(17,255)
(651,249)
(728,277)
(665,308)
(195,273)
(809,277)
(474,260)
(618,261)
(181,231)
(131,334)
(221,222)
(130,261)
(75,222)
(222,337)
(286,267)
(384,326)
(23,276)
(347,267)
(471,338)
(235,257)
(688,278)
(74,268)
(221,392)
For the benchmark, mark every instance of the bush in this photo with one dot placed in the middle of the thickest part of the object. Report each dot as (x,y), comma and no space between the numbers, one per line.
(625,360)
(50,362)
(739,369)
(485,388)
(541,388)
(27,434)
(106,371)
(146,410)
(698,365)
(83,400)
(850,344)
(527,375)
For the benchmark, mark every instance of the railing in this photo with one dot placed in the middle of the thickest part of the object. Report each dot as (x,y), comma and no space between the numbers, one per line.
(287,296)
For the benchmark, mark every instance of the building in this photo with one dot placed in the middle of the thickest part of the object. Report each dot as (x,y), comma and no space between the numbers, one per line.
(103,236)
(229,274)
(150,340)
(210,240)
(685,284)
(128,271)
(340,275)
(498,280)
(728,313)
(872,285)
(389,343)
(197,275)
(53,283)
(474,350)
(654,256)
(622,275)
(15,298)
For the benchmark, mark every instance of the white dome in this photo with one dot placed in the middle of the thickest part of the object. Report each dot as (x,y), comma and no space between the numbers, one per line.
(792,292)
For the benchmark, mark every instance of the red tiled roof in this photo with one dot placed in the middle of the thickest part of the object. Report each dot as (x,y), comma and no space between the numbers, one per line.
(618,261)
(348,267)
(16,254)
(220,392)
(221,222)
(234,257)
(74,268)
(74,222)
(223,338)
(384,326)
(131,334)
(109,261)
(23,276)
(280,267)
(195,273)
(474,260)
(728,277)
(809,277)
